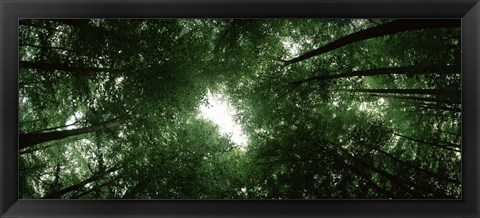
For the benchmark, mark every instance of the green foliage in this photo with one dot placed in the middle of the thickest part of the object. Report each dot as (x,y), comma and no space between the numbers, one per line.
(111,110)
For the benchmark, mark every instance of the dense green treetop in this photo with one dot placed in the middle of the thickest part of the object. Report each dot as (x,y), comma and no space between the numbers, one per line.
(332,108)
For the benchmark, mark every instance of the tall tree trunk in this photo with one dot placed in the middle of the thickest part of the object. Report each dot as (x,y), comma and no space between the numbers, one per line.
(80,185)
(366,178)
(101,166)
(33,84)
(56,181)
(451,133)
(27,140)
(96,188)
(401,184)
(36,167)
(62,67)
(44,47)
(446,147)
(396,91)
(395,179)
(136,189)
(99,33)
(419,99)
(54,128)
(34,148)
(410,165)
(385,71)
(77,23)
(26,22)
(439,107)
(393,27)
(371,183)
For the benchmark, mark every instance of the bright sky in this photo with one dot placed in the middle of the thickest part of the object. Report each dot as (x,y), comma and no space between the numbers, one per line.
(219,111)
(73,119)
(292,48)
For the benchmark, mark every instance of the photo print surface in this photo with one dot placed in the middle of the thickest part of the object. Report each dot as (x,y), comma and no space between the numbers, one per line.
(239,109)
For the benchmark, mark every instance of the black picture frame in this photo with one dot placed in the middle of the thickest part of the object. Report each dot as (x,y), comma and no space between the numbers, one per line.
(466,10)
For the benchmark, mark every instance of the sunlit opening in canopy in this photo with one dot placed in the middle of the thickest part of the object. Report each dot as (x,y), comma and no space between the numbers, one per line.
(222,113)
(71,122)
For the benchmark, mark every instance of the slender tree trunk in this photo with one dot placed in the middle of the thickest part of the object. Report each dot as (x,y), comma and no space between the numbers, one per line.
(419,99)
(101,167)
(414,98)
(439,107)
(99,33)
(31,84)
(32,121)
(457,135)
(371,183)
(446,147)
(136,189)
(96,188)
(24,22)
(396,91)
(35,148)
(62,67)
(410,165)
(40,166)
(45,47)
(451,133)
(451,144)
(56,182)
(27,140)
(365,177)
(385,71)
(54,128)
(421,102)
(403,185)
(393,27)
(77,23)
(395,179)
(338,161)
(80,185)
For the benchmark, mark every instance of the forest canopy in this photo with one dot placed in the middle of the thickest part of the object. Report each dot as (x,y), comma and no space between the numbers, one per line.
(239,109)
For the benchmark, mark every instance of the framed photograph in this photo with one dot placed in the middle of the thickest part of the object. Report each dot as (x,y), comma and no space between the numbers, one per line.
(239,108)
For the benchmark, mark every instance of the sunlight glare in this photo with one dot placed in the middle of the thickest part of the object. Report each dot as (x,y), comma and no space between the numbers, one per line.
(292,47)
(73,119)
(222,113)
